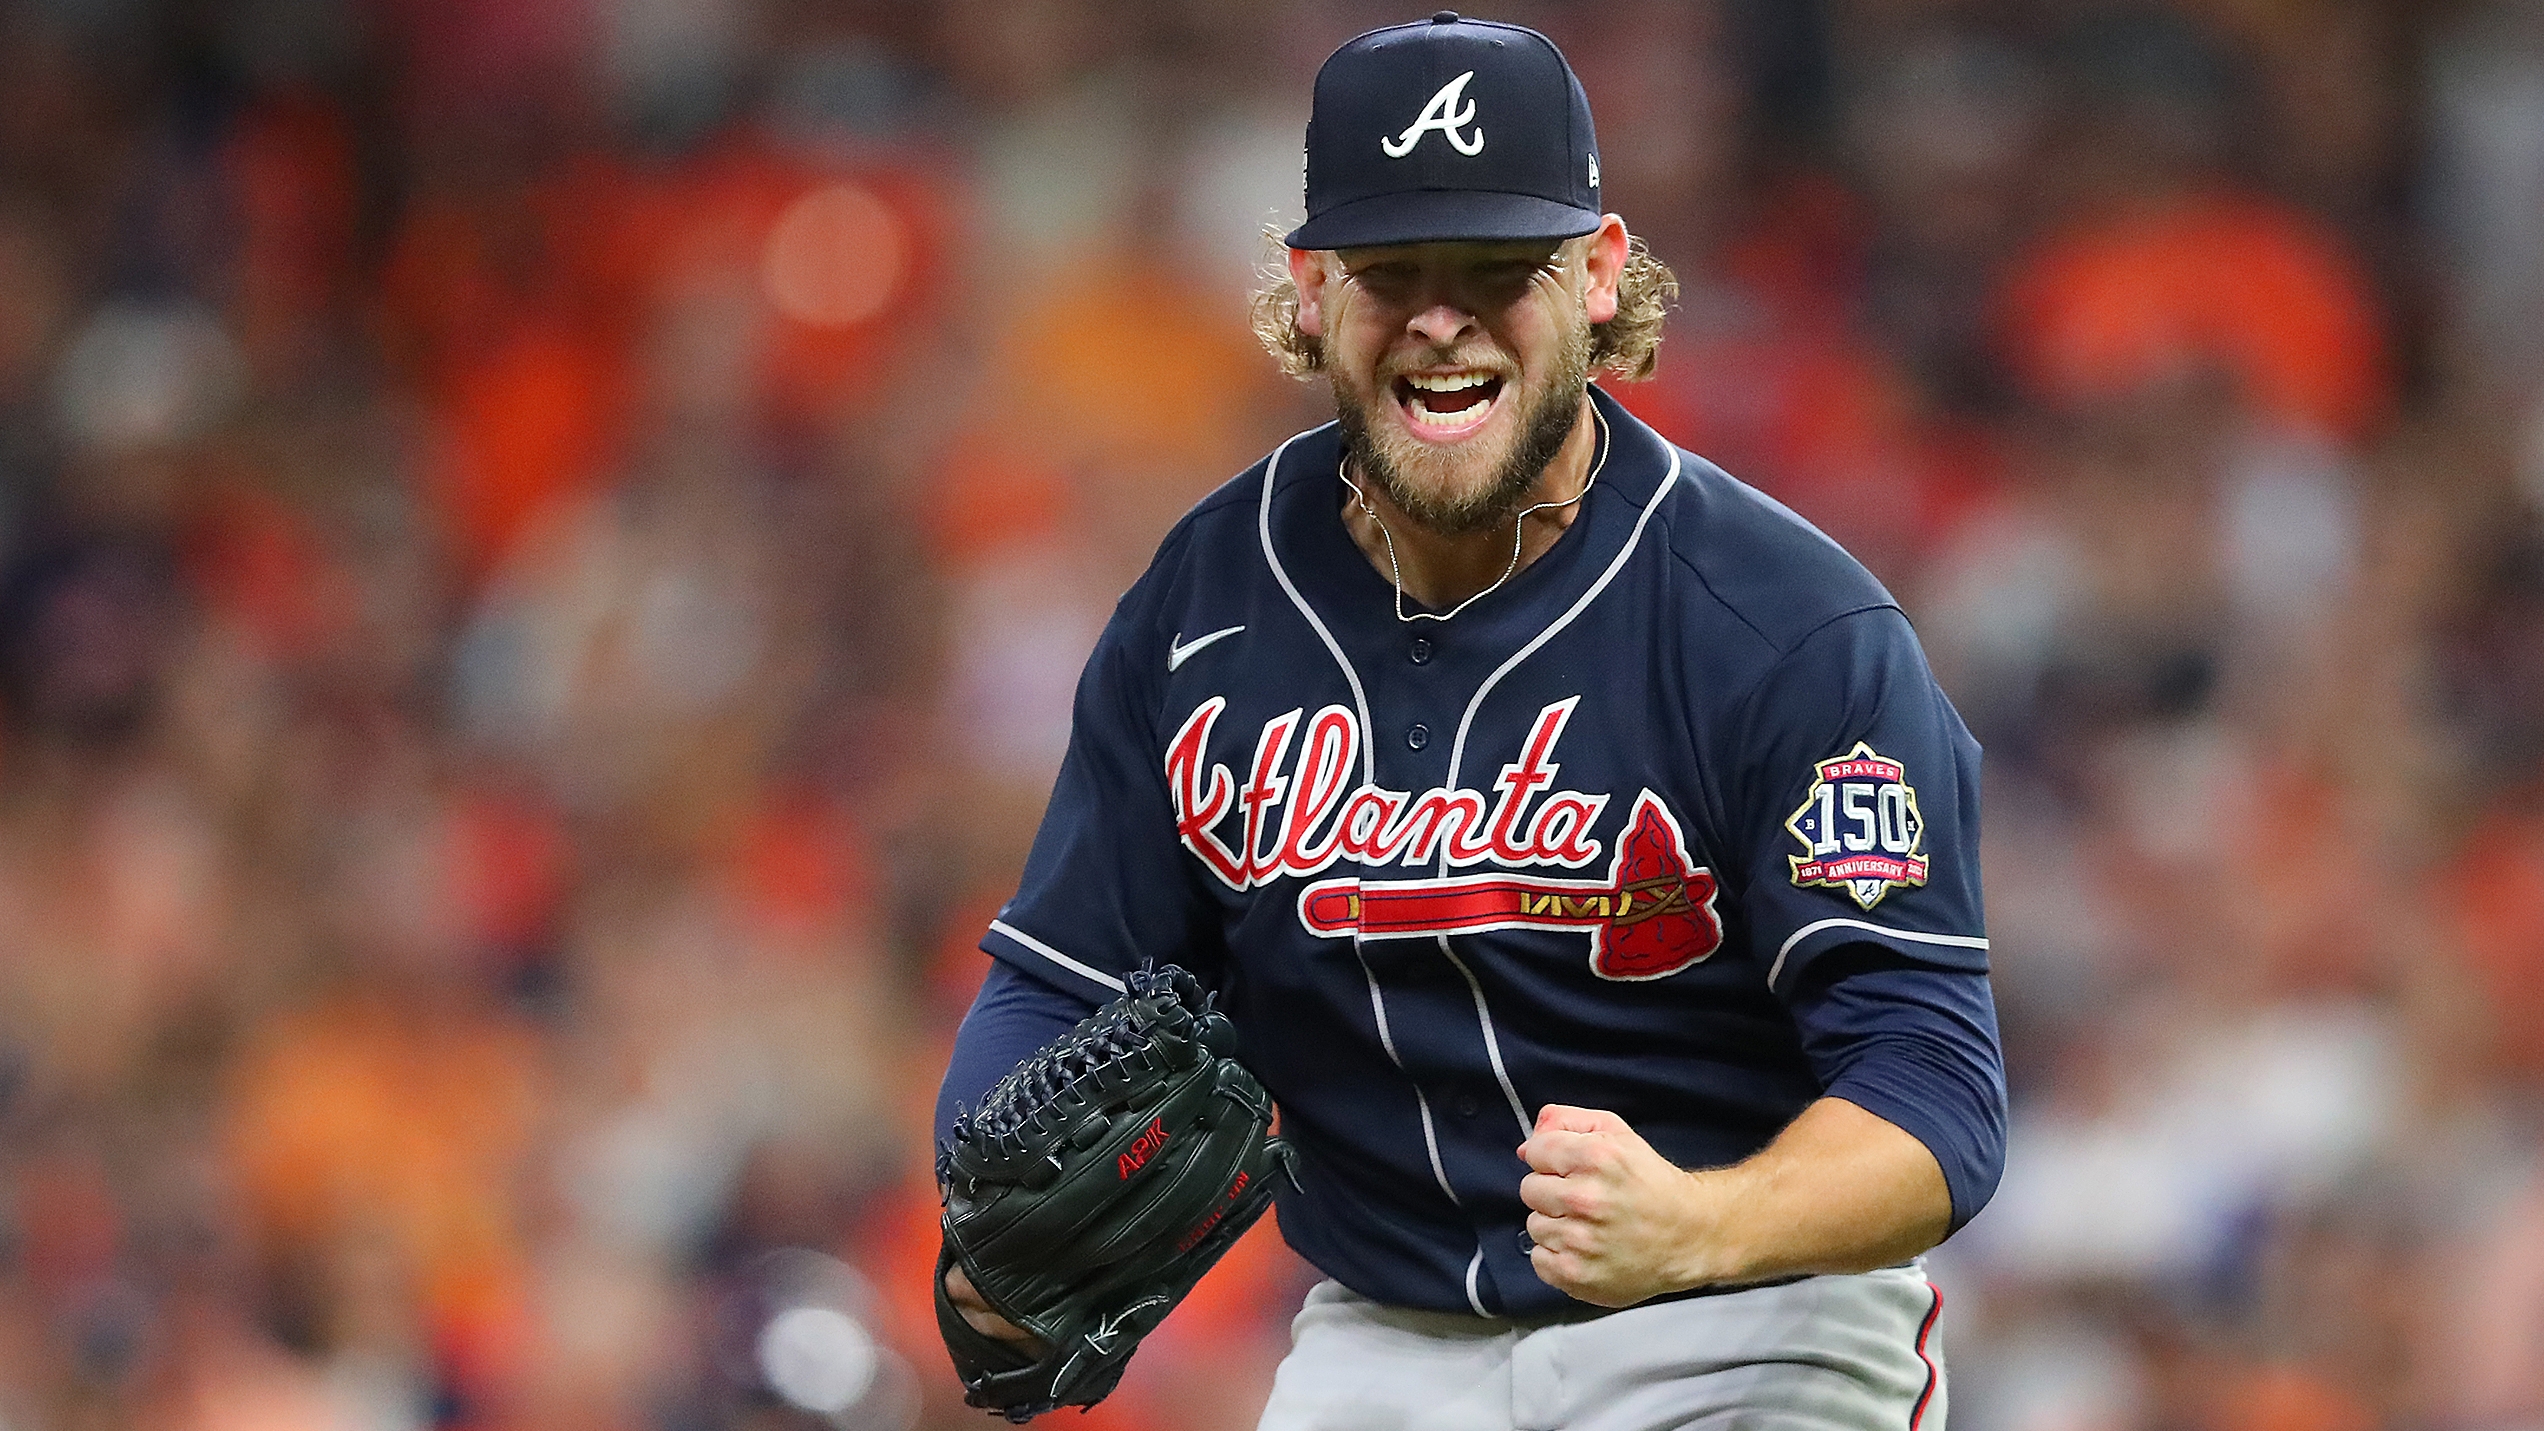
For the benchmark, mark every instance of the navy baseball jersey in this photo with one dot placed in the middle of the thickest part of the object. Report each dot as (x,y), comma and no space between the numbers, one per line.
(1674,823)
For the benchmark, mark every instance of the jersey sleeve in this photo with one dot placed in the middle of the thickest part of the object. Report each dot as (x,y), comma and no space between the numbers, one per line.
(1856,814)
(1860,826)
(1106,887)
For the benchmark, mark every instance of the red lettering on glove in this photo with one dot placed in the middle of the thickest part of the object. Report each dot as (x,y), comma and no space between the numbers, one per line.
(1192,1239)
(1143,1148)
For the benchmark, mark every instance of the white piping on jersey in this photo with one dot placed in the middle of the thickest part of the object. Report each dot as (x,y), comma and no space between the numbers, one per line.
(1430,1136)
(1387,1041)
(1492,1045)
(1055,956)
(1957,941)
(1457,753)
(1473,1266)
(1271,558)
(1369,773)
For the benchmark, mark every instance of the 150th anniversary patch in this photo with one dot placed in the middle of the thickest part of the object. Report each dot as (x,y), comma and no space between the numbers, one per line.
(1859,828)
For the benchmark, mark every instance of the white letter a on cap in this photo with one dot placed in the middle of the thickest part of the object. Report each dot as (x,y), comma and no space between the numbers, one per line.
(1442,114)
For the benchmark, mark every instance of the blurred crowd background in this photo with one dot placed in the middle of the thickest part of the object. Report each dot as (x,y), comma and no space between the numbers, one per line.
(544,545)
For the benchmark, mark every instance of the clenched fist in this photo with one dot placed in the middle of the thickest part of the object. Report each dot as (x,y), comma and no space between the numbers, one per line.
(1614,1222)
(1839,1190)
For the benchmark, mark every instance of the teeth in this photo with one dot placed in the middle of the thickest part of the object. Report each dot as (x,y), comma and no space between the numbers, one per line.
(1424,415)
(1424,384)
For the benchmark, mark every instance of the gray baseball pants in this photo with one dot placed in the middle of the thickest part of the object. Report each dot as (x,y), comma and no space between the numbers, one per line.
(1841,1353)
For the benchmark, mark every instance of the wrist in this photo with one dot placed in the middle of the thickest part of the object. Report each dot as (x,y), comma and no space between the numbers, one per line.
(1711,1249)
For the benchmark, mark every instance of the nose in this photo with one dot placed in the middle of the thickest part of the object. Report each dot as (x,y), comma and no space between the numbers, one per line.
(1441,323)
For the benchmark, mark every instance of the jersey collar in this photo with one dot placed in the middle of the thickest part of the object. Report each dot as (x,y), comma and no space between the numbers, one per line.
(1306,534)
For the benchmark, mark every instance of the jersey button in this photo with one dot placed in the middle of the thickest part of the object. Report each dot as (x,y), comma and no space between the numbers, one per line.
(1467,1107)
(1418,737)
(1421,652)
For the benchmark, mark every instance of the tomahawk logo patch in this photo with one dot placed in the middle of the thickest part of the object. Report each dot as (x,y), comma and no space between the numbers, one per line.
(1651,917)
(1859,828)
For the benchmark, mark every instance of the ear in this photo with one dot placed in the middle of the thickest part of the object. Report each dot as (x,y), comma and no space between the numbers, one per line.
(1604,258)
(1308,274)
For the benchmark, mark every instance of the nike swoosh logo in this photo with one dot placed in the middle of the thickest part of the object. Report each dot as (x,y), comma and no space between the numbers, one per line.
(1182,650)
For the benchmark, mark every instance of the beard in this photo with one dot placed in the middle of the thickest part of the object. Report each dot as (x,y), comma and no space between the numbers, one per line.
(1445,507)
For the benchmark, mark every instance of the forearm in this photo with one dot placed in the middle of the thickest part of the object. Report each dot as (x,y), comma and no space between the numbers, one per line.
(1839,1190)
(1614,1222)
(1013,1015)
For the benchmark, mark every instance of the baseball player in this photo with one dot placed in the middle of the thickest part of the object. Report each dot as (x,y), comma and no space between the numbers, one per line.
(1576,837)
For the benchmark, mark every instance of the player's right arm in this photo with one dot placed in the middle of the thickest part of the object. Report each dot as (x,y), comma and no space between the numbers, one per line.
(1014,1015)
(1104,888)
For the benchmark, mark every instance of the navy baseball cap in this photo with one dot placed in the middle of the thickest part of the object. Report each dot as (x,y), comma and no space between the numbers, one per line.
(1448,129)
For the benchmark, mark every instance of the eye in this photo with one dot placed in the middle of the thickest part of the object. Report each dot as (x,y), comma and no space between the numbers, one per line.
(1510,277)
(1384,277)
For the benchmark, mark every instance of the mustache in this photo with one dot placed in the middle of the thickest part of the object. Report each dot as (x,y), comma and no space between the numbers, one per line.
(1486,359)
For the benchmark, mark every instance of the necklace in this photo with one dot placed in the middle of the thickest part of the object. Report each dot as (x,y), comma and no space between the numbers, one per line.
(1395,573)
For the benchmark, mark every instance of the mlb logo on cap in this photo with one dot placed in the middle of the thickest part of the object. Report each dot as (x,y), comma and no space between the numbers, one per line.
(1448,129)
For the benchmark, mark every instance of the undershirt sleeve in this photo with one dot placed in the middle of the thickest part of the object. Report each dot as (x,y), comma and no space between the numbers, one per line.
(1916,1047)
(1014,1015)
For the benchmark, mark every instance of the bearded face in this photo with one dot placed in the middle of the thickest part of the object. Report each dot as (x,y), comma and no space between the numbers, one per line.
(1458,372)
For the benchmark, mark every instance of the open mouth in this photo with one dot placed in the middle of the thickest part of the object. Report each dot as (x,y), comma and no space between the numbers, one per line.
(1448,404)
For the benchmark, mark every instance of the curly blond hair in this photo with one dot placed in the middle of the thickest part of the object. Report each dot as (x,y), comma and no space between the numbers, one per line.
(1627,345)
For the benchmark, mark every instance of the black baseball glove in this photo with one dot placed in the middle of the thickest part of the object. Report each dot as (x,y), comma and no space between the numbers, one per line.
(1092,1188)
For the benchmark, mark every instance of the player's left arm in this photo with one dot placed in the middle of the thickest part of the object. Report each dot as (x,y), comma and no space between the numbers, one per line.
(1857,769)
(1614,1222)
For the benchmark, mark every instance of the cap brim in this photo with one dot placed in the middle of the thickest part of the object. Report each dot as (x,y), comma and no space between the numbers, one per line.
(1441,216)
